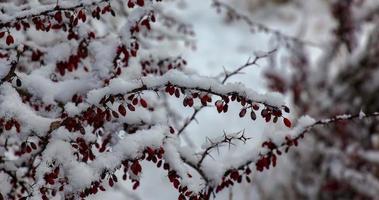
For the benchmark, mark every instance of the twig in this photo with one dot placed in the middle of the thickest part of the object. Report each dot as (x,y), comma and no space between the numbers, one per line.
(44,12)
(226,140)
(227,77)
(322,122)
(247,64)
(12,69)
(197,166)
(255,25)
(188,122)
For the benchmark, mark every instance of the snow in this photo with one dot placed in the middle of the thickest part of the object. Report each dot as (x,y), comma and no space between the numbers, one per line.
(371,156)
(36,79)
(302,124)
(12,106)
(219,47)
(178,78)
(13,12)
(129,148)
(365,183)
(4,68)
(59,52)
(53,92)
(103,55)
(173,158)
(361,114)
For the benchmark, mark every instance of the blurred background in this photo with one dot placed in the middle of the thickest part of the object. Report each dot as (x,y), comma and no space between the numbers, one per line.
(326,63)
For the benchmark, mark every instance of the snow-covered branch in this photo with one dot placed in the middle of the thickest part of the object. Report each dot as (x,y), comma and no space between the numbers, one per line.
(92,90)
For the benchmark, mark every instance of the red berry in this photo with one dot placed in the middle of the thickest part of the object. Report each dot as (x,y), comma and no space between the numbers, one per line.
(9,40)
(136,167)
(130,4)
(253,116)
(143,103)
(122,110)
(287,122)
(242,112)
(58,16)
(131,107)
(140,2)
(111,182)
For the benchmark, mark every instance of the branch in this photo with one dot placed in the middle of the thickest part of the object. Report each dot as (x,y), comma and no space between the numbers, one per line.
(225,139)
(22,183)
(255,25)
(266,158)
(365,183)
(247,64)
(177,81)
(12,69)
(188,122)
(228,76)
(300,134)
(44,11)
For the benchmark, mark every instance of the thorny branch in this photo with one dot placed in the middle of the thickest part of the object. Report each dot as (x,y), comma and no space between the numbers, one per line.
(188,122)
(289,143)
(247,64)
(322,122)
(227,76)
(227,139)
